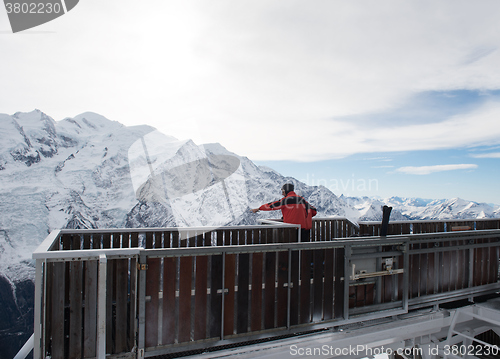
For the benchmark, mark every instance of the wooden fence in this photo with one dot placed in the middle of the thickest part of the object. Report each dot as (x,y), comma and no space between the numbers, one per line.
(144,292)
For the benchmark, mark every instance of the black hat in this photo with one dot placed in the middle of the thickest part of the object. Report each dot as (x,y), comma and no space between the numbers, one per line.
(288,187)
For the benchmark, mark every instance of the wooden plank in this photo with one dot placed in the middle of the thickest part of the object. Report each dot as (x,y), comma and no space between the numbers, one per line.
(134,240)
(149,240)
(215,315)
(90,310)
(57,312)
(75,310)
(317,286)
(256,295)
(116,240)
(152,290)
(200,307)
(169,315)
(446,268)
(431,273)
(270,290)
(106,240)
(229,282)
(305,286)
(338,302)
(328,285)
(121,319)
(493,264)
(243,292)
(422,276)
(185,280)
(294,299)
(282,291)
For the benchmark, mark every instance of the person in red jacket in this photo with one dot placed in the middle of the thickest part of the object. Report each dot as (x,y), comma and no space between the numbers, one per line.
(295,210)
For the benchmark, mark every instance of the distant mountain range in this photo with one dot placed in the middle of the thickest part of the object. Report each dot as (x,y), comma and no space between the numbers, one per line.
(90,172)
(368,208)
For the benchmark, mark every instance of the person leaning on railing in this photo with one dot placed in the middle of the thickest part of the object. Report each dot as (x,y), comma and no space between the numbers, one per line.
(294,208)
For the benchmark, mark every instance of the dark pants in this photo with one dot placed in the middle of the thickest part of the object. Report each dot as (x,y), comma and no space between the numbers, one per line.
(305,235)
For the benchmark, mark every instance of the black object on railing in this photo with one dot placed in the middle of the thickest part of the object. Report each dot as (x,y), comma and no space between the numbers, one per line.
(386,213)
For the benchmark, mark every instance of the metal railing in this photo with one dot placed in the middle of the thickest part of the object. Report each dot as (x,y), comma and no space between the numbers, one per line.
(145,292)
(372,228)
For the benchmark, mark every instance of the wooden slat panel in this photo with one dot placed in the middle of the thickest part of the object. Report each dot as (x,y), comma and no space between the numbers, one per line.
(169,315)
(121,290)
(338,283)
(57,311)
(256,295)
(422,276)
(317,290)
(493,264)
(185,280)
(149,240)
(106,240)
(75,310)
(116,240)
(328,289)
(200,323)
(242,298)
(294,299)
(134,240)
(431,272)
(305,287)
(282,291)
(447,264)
(90,311)
(229,282)
(270,290)
(215,298)
(152,290)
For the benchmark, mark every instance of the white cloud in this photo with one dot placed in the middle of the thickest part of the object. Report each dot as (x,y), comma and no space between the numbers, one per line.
(256,75)
(487,155)
(425,170)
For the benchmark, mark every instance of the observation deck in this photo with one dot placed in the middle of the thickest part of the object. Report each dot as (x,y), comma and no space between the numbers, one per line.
(167,292)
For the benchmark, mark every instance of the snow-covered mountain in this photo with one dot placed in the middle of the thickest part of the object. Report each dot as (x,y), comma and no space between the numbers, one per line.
(368,208)
(90,172)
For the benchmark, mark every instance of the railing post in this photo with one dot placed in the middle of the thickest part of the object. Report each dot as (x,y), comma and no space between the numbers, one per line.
(101,307)
(406,275)
(37,348)
(141,341)
(223,294)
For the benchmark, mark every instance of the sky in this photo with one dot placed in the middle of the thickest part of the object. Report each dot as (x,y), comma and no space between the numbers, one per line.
(377,98)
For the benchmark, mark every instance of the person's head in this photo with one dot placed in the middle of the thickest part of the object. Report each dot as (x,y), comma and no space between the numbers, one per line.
(287,187)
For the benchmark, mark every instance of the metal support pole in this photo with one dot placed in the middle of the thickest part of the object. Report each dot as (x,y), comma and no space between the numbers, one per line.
(101,307)
(37,348)
(141,342)
(289,289)
(406,276)
(223,295)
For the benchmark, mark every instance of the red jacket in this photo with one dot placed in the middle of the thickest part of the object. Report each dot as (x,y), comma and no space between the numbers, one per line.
(295,210)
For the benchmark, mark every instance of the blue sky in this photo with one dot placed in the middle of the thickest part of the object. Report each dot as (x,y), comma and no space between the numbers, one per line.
(470,171)
(403,93)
